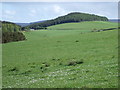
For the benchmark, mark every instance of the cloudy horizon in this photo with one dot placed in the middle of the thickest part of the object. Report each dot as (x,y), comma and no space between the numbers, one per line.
(25,12)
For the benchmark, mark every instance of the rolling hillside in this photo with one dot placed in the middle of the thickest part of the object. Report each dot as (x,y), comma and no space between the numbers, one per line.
(63,58)
(90,25)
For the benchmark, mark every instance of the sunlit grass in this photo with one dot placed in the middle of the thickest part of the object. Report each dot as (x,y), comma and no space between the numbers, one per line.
(46,60)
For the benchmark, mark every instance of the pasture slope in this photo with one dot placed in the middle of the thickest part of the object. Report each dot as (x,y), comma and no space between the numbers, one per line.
(87,25)
(63,58)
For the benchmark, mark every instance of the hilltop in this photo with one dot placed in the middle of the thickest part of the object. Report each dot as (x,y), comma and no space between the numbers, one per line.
(71,17)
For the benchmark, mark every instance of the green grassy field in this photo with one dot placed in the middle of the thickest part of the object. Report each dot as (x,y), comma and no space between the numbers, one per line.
(84,26)
(63,59)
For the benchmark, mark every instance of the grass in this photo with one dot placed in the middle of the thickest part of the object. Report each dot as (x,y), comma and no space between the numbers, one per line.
(62,59)
(84,26)
(0,66)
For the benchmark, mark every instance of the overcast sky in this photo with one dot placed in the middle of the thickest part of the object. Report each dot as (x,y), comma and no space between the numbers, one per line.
(25,12)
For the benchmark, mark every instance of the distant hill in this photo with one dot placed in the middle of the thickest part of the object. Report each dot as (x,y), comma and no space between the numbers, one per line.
(23,24)
(71,17)
(37,22)
(26,24)
(114,20)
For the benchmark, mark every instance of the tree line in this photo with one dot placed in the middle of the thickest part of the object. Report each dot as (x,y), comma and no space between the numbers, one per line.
(11,32)
(10,27)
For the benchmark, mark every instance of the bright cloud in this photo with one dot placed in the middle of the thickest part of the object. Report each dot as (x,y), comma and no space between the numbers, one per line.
(8,12)
(58,10)
(33,12)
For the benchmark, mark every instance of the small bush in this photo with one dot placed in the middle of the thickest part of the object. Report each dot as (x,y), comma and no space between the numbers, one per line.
(53,59)
(32,66)
(13,69)
(60,63)
(72,78)
(76,41)
(47,65)
(41,67)
(56,59)
(44,66)
(113,56)
(73,63)
(87,71)
(58,41)
(27,72)
(79,62)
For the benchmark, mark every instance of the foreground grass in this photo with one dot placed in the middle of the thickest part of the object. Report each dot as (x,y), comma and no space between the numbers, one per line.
(47,60)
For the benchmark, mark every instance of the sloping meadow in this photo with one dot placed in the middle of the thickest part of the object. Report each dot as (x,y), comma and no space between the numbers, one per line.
(62,59)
